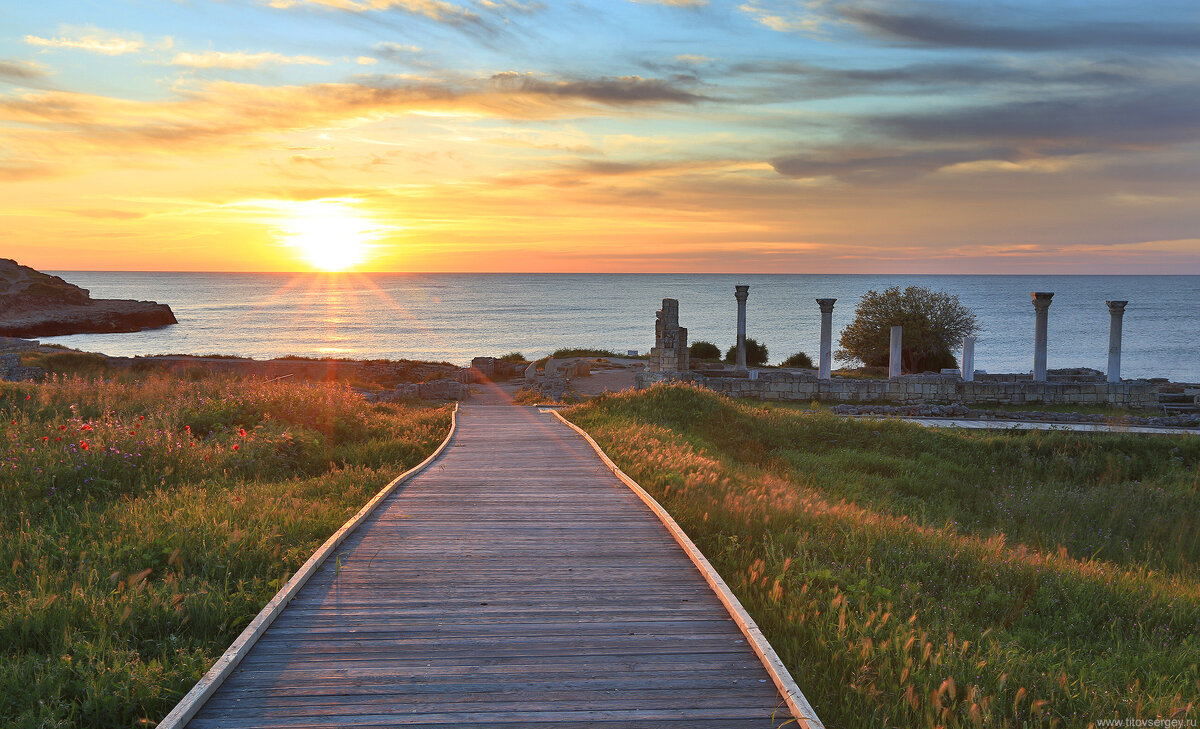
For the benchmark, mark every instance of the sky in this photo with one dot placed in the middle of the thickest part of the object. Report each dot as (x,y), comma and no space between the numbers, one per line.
(806,136)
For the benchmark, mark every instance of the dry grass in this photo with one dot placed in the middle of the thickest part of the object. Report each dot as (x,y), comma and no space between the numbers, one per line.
(912,578)
(147,521)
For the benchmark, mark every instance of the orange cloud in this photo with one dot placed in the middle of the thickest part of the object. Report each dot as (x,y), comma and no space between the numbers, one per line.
(242,60)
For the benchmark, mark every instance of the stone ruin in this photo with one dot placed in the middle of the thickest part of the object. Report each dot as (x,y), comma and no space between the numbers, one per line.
(670,352)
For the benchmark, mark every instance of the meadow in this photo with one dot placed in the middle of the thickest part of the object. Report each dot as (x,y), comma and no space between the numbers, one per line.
(921,578)
(146,519)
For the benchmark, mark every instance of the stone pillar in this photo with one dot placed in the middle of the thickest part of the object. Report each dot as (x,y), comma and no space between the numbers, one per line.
(670,351)
(894,360)
(741,293)
(826,361)
(1116,311)
(1041,305)
(968,359)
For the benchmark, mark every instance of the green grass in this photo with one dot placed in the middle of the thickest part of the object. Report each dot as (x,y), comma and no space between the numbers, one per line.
(146,521)
(917,578)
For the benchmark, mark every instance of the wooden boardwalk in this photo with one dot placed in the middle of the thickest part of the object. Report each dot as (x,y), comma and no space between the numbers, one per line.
(513,583)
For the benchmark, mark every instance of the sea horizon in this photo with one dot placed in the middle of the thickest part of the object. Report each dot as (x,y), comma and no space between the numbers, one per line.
(456,316)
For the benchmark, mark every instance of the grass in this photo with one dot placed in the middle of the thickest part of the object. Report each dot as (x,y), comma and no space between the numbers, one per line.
(146,521)
(917,578)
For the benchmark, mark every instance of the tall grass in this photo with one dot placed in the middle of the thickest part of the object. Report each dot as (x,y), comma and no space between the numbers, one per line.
(916,578)
(146,521)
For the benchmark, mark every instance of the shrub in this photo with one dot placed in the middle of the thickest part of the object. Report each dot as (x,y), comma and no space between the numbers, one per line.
(584,352)
(704,350)
(515,357)
(756,354)
(799,359)
(934,323)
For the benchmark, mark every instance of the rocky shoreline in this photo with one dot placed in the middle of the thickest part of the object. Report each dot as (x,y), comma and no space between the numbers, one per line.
(35,304)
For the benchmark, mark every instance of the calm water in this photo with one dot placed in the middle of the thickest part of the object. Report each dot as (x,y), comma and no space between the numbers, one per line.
(454,317)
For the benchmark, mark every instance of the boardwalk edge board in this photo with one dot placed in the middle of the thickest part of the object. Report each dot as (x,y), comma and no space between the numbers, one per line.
(802,711)
(188,707)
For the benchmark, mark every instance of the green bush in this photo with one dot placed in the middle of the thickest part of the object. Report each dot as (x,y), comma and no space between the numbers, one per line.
(584,352)
(514,357)
(704,350)
(934,324)
(756,354)
(799,359)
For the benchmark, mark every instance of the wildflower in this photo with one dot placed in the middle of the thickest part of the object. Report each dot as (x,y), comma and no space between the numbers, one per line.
(236,446)
(83,444)
(45,438)
(242,432)
(141,417)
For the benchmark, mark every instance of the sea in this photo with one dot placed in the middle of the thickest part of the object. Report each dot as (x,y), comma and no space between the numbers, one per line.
(454,316)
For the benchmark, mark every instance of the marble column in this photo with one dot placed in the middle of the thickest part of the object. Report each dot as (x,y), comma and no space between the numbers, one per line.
(968,359)
(894,361)
(1041,305)
(826,361)
(1116,312)
(741,293)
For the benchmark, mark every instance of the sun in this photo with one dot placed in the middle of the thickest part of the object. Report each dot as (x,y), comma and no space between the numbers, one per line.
(330,234)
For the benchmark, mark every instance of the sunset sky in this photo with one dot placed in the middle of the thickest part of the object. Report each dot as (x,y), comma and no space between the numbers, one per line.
(806,136)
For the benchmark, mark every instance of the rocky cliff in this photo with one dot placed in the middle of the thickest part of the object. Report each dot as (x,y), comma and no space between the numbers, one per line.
(35,304)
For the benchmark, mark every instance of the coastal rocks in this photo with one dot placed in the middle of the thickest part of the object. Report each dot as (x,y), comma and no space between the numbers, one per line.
(35,304)
(11,369)
(444,389)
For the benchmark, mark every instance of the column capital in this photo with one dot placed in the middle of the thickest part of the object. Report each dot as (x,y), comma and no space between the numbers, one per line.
(1116,307)
(826,305)
(741,292)
(1041,300)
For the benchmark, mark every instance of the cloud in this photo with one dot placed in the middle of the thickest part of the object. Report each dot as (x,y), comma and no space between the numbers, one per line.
(366,61)
(674,3)
(439,10)
(241,60)
(946,28)
(614,91)
(18,71)
(792,17)
(72,126)
(1149,117)
(92,40)
(881,165)
(106,214)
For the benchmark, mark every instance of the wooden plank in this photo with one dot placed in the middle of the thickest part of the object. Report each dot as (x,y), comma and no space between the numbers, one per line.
(515,582)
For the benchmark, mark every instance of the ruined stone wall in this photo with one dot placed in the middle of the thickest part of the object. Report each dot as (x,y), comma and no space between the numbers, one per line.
(914,389)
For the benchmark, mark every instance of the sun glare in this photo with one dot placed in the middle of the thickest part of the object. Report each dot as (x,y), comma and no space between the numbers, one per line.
(330,234)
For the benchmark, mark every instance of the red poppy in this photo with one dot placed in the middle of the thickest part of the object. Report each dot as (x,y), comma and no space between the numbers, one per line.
(242,432)
(45,438)
(83,444)
(141,417)
(236,446)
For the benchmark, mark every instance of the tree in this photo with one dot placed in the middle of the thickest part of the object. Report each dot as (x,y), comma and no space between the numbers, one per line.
(799,359)
(756,354)
(704,350)
(934,324)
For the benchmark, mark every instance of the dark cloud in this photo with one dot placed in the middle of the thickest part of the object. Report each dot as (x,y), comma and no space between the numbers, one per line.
(1146,118)
(939,26)
(606,90)
(797,81)
(862,165)
(19,71)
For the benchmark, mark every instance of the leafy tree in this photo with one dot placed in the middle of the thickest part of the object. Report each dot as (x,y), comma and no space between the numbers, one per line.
(756,354)
(934,323)
(704,350)
(799,359)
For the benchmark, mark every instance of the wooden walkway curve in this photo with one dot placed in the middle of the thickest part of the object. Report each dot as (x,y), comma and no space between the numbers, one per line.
(515,582)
